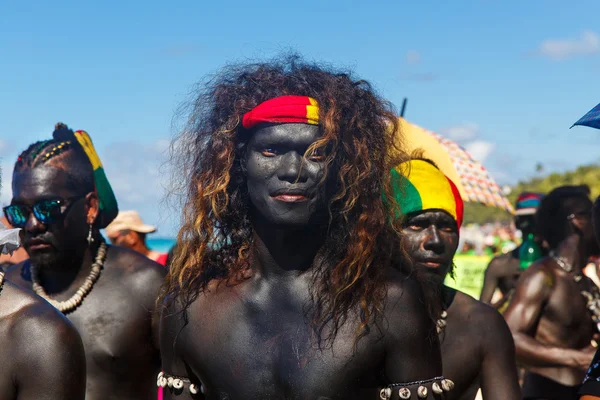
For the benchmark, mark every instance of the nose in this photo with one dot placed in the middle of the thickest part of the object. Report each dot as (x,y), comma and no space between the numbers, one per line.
(292,168)
(32,225)
(433,241)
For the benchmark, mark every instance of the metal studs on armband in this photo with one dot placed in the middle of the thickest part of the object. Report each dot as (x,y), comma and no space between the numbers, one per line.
(439,385)
(177,383)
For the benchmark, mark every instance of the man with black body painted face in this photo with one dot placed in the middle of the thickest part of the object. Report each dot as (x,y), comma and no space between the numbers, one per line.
(61,199)
(548,314)
(283,284)
(477,347)
(504,270)
(42,356)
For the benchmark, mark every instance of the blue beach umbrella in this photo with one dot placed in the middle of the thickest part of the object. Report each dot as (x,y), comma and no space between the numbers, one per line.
(591,119)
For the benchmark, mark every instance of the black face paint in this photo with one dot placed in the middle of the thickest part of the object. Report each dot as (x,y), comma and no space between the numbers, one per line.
(48,245)
(284,187)
(431,239)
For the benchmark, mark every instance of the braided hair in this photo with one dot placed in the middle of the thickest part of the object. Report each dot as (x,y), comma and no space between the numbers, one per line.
(63,153)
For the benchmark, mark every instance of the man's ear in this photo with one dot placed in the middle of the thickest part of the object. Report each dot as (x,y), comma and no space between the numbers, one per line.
(92,207)
(576,225)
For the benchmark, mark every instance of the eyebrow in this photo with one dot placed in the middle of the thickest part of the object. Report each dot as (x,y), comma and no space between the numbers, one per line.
(443,218)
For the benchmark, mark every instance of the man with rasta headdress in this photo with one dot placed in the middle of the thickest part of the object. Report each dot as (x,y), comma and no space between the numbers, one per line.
(42,355)
(61,200)
(477,346)
(288,281)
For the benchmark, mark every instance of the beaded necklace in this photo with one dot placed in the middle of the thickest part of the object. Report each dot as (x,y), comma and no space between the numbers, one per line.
(592,296)
(75,301)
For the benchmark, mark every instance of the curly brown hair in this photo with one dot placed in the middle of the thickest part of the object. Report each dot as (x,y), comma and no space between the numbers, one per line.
(358,135)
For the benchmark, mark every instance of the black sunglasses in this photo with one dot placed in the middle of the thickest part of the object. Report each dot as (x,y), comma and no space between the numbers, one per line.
(45,211)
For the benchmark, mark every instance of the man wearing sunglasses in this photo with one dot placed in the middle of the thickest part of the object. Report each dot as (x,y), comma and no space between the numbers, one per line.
(61,200)
(554,313)
(42,355)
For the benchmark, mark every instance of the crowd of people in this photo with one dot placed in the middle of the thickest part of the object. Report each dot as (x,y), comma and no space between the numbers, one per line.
(310,264)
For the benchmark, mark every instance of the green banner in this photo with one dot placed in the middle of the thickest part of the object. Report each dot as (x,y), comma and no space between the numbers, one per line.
(468,274)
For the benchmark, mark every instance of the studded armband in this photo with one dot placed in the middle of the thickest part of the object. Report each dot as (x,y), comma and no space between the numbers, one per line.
(417,389)
(177,384)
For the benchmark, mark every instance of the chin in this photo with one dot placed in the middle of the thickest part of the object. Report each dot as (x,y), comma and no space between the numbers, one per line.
(46,259)
(436,273)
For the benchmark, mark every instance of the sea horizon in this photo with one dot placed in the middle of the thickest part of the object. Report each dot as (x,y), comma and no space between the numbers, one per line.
(161,244)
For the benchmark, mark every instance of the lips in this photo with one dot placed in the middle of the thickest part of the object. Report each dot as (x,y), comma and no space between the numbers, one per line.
(431,262)
(290,195)
(37,245)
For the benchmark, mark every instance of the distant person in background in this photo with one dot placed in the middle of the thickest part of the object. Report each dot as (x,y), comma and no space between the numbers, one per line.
(128,230)
(477,346)
(554,312)
(7,260)
(590,390)
(503,271)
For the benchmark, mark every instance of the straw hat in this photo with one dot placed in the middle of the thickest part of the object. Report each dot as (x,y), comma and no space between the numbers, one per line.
(129,220)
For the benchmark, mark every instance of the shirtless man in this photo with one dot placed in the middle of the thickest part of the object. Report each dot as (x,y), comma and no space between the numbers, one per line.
(548,316)
(108,293)
(477,347)
(503,271)
(299,296)
(42,355)
(590,389)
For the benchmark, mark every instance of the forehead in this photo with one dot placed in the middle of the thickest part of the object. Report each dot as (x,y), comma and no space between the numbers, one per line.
(286,134)
(431,216)
(44,182)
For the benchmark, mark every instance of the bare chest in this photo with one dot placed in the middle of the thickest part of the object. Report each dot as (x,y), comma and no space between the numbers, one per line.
(247,350)
(115,329)
(566,312)
(461,357)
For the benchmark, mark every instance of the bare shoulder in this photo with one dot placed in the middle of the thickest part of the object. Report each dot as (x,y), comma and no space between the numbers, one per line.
(134,269)
(502,265)
(485,318)
(543,271)
(481,323)
(35,324)
(130,262)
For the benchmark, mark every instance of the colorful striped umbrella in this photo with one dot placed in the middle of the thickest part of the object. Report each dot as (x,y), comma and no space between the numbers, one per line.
(591,119)
(473,181)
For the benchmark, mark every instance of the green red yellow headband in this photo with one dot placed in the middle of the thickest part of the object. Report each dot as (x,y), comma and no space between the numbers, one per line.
(283,109)
(419,186)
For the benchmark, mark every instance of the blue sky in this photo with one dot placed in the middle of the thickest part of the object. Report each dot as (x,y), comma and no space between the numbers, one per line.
(505,78)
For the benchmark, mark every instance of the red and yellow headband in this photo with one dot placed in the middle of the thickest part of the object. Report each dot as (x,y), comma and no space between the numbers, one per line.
(420,186)
(284,109)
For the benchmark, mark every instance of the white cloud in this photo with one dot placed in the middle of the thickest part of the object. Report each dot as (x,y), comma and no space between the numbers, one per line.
(480,149)
(413,57)
(135,171)
(4,146)
(139,180)
(561,49)
(6,168)
(462,132)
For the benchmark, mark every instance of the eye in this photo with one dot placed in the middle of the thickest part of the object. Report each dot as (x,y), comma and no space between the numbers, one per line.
(416,226)
(269,152)
(448,228)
